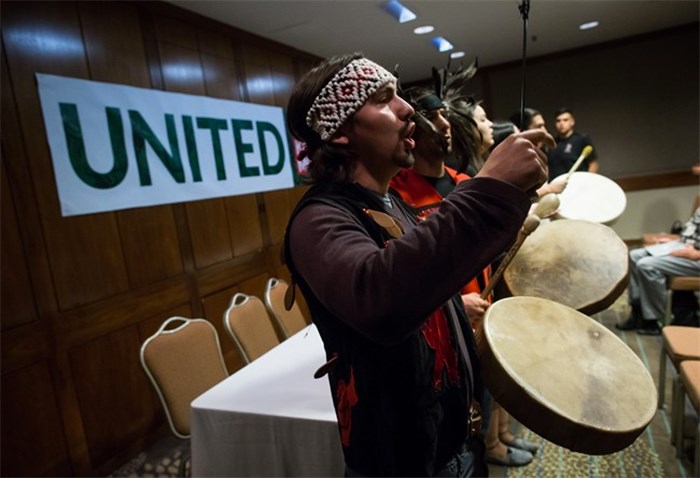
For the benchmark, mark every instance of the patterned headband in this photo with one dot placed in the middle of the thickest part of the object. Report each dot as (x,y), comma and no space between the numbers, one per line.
(344,94)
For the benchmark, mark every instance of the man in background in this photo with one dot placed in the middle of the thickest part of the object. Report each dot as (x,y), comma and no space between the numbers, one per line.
(570,144)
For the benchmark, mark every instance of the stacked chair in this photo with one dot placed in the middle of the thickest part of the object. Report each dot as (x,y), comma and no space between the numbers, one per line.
(247,322)
(182,363)
(289,321)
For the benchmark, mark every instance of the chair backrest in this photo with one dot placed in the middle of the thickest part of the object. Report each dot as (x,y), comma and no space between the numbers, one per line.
(290,321)
(250,327)
(182,363)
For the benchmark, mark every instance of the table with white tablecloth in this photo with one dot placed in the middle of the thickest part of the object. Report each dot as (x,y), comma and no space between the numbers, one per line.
(270,418)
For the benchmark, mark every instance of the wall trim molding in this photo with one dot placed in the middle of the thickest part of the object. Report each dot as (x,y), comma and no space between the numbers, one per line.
(657,180)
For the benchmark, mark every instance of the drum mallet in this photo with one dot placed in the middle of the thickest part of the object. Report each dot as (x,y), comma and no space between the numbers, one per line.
(531,223)
(547,205)
(584,154)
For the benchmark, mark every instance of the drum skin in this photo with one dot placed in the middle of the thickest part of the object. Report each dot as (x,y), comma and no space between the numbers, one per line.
(564,375)
(591,197)
(581,264)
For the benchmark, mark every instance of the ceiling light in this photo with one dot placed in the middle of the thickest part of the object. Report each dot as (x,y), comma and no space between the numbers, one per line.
(398,11)
(457,54)
(423,30)
(441,44)
(588,25)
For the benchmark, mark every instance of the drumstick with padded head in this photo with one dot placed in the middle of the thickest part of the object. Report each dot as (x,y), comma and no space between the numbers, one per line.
(547,205)
(531,223)
(584,154)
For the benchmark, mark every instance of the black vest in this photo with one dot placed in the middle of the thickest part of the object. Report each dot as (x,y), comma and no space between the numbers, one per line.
(392,420)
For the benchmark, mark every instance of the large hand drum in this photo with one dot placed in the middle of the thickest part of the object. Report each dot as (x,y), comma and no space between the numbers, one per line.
(581,264)
(591,197)
(564,375)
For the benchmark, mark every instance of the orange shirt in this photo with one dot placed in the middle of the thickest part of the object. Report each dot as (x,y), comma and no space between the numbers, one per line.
(416,191)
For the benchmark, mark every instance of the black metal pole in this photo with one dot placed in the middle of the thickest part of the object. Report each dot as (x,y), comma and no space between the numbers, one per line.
(524,8)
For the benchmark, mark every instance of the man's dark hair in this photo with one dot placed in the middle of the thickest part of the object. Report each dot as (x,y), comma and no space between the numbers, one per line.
(425,102)
(563,110)
(328,161)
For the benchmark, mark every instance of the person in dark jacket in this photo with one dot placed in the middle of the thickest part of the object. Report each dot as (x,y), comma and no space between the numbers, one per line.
(402,363)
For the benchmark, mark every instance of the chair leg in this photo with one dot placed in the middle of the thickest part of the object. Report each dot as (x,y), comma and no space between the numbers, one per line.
(677,414)
(697,449)
(669,314)
(662,373)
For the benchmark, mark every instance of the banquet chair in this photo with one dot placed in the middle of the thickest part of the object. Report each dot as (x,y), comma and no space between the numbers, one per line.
(182,363)
(678,343)
(678,283)
(686,383)
(250,327)
(289,321)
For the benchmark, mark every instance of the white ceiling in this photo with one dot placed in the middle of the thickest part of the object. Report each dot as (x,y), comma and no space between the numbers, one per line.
(491,30)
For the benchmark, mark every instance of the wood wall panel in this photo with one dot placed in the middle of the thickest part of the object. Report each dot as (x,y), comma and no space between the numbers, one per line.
(221,77)
(283,79)
(114,43)
(279,206)
(88,290)
(17,299)
(84,252)
(258,84)
(16,296)
(33,441)
(150,260)
(176,31)
(208,229)
(244,224)
(113,391)
(87,323)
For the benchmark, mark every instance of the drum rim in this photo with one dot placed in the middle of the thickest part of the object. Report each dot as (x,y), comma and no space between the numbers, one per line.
(590,307)
(567,431)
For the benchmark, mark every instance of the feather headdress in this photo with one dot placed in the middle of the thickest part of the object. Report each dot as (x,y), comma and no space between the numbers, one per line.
(460,105)
(450,89)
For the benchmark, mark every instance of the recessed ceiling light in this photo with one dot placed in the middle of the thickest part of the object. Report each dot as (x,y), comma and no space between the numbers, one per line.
(441,44)
(423,30)
(398,11)
(457,54)
(588,25)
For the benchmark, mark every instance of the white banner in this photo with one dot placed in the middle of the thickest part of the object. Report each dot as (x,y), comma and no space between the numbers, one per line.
(118,147)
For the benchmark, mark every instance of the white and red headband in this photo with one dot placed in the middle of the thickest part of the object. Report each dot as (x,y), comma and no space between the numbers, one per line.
(344,94)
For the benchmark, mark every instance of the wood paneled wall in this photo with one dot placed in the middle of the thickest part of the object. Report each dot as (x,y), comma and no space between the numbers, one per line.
(80,294)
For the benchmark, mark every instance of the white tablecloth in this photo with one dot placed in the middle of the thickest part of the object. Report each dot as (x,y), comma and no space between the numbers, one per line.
(270,418)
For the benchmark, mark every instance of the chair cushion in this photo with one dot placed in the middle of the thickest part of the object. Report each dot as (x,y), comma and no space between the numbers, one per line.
(684,283)
(681,343)
(690,375)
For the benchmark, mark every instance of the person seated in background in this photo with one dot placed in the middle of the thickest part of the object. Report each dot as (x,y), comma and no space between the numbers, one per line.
(651,266)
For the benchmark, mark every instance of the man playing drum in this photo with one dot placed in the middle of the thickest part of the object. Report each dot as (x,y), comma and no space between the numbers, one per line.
(402,363)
